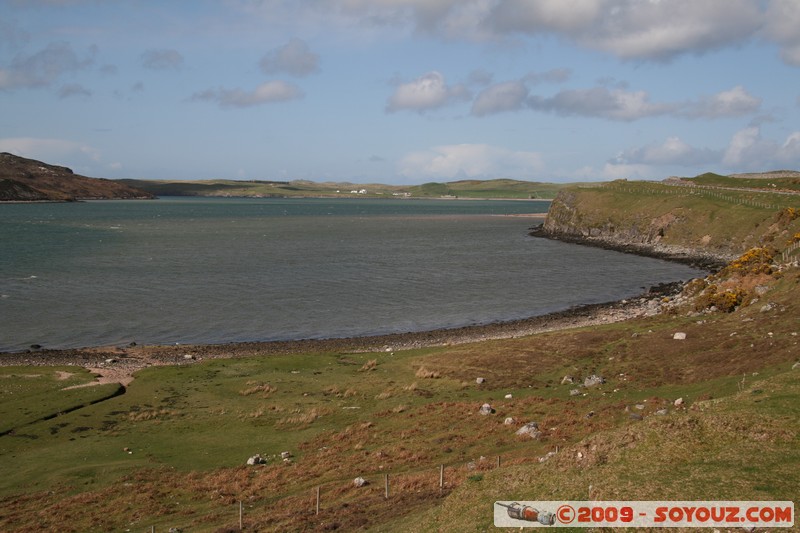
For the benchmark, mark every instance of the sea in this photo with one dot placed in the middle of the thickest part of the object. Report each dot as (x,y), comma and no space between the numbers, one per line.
(192,270)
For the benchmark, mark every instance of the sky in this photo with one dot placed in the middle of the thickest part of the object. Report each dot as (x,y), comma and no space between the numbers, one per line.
(402,91)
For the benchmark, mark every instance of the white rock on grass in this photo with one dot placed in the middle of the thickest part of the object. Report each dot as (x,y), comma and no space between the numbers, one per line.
(679,336)
(486,409)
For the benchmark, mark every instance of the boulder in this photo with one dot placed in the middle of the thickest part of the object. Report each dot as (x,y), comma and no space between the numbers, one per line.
(567,380)
(508,396)
(575,392)
(486,409)
(508,421)
(678,402)
(662,412)
(593,381)
(256,460)
(480,381)
(286,455)
(796,366)
(679,336)
(360,482)
(530,429)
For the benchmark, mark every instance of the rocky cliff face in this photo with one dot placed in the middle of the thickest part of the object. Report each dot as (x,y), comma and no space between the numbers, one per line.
(26,180)
(661,228)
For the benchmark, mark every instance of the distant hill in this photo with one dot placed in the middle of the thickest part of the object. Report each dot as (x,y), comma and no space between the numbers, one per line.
(28,180)
(497,188)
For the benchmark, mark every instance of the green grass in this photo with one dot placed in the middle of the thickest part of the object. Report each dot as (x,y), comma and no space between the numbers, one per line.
(170,452)
(500,189)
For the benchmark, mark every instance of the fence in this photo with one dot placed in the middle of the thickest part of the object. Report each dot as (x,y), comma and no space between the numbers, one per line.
(444,478)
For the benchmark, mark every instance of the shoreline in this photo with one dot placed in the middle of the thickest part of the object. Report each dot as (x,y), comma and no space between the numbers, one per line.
(709,262)
(117,364)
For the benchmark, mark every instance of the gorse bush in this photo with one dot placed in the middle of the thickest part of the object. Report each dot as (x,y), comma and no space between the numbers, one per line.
(753,261)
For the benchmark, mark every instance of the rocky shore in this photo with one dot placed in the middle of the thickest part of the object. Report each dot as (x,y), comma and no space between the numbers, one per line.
(686,256)
(117,364)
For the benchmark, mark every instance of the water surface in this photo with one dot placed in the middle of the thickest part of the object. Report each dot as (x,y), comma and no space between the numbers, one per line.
(194,270)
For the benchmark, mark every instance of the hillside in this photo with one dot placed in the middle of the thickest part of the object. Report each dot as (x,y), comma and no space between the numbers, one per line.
(25,180)
(499,188)
(681,222)
(686,395)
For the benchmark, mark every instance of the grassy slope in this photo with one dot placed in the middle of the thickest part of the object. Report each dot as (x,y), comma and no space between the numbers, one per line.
(190,428)
(718,221)
(501,188)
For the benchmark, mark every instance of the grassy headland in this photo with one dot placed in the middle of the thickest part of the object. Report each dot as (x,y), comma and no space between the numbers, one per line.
(712,416)
(499,188)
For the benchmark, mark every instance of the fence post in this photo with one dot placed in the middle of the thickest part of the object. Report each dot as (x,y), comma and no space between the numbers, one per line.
(498,461)
(241,512)
(317,499)
(386,481)
(441,477)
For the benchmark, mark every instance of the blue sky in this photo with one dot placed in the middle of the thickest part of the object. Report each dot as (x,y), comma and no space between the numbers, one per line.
(402,91)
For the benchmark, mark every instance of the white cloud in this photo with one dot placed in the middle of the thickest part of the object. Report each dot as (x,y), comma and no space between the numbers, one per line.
(782,23)
(459,161)
(269,92)
(162,59)
(601,102)
(508,96)
(673,151)
(633,29)
(73,89)
(748,150)
(429,91)
(42,68)
(732,103)
(650,30)
(294,58)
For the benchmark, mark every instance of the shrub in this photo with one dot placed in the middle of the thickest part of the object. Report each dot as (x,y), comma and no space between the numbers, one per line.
(424,373)
(724,300)
(753,261)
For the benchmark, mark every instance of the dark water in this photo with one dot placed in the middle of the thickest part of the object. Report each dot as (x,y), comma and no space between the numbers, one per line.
(221,270)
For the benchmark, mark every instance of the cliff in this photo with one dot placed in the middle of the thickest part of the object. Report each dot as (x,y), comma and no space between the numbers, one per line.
(703,227)
(28,180)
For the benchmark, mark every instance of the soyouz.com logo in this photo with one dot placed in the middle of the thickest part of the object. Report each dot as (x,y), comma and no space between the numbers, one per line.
(644,514)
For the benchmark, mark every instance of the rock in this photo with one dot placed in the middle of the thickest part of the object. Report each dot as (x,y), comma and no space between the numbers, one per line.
(480,381)
(188,356)
(590,414)
(679,336)
(678,402)
(635,416)
(256,460)
(36,346)
(662,412)
(593,381)
(530,429)
(486,409)
(567,380)
(360,482)
(761,290)
(175,530)
(767,308)
(508,421)
(110,361)
(796,366)
(286,455)
(639,406)
(547,456)
(508,396)
(575,392)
